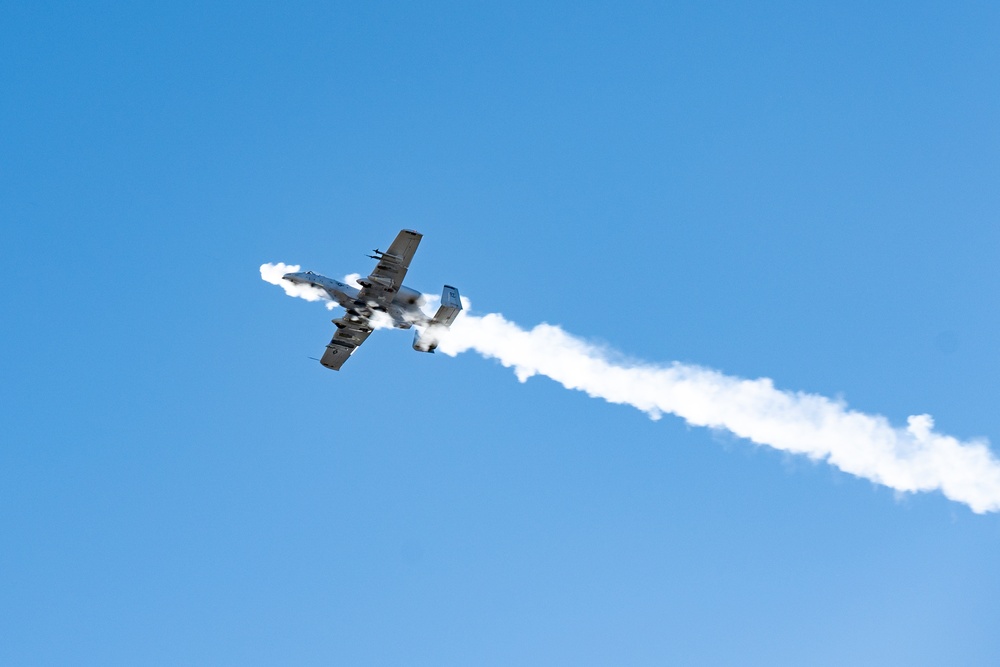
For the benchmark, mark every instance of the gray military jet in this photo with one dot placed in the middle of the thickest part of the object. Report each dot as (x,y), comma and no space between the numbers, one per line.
(384,297)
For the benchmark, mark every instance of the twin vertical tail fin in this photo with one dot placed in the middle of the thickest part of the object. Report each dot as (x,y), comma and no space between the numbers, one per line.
(451,306)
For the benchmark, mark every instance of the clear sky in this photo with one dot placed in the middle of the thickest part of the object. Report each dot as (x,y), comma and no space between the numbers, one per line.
(800,191)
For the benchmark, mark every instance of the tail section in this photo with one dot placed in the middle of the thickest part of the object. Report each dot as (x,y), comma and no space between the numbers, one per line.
(451,306)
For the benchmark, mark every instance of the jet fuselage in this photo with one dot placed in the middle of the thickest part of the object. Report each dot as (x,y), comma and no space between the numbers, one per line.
(404,309)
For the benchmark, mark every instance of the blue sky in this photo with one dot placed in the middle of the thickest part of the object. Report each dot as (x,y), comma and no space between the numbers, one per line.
(800,192)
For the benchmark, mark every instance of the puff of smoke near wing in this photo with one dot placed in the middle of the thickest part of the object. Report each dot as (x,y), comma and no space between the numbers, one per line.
(910,459)
(272,273)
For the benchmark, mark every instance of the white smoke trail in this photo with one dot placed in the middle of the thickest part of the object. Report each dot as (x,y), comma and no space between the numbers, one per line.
(915,458)
(271,273)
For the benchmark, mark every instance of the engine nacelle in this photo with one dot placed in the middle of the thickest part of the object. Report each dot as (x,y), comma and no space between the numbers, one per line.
(451,305)
(425,341)
(408,297)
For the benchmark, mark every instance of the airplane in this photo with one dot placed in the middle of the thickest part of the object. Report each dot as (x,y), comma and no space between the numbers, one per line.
(382,295)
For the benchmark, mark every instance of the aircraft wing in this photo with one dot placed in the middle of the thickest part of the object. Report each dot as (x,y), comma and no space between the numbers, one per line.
(350,335)
(382,284)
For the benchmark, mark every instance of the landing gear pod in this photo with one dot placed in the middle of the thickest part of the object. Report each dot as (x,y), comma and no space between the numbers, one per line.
(451,306)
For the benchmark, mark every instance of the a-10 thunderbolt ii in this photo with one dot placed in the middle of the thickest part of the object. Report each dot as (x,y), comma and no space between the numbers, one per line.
(382,295)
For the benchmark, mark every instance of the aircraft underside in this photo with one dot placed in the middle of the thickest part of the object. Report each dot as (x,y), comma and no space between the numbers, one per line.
(381,301)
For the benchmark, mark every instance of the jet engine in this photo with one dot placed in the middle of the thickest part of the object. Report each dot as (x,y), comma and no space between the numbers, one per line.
(410,297)
(451,306)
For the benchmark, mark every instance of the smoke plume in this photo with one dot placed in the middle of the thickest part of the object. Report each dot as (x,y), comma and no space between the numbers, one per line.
(271,273)
(907,459)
